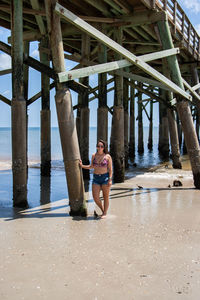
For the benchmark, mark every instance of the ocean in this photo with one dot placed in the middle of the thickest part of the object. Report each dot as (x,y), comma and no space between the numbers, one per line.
(43,190)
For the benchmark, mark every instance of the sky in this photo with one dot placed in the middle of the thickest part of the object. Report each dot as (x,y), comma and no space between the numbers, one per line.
(191,8)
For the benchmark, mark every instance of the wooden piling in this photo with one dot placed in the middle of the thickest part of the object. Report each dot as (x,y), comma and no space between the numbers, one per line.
(183,109)
(126,120)
(175,150)
(102,111)
(84,113)
(195,80)
(163,144)
(117,132)
(45,114)
(19,147)
(26,80)
(150,139)
(140,123)
(68,134)
(132,124)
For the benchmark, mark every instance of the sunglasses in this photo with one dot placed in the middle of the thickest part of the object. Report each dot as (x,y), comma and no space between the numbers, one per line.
(100,146)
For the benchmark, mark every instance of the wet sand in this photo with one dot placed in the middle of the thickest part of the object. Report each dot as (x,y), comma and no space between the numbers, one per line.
(148,247)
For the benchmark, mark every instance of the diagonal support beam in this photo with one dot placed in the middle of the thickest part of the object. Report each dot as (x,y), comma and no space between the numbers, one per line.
(196,87)
(35,5)
(191,89)
(107,67)
(5,100)
(90,30)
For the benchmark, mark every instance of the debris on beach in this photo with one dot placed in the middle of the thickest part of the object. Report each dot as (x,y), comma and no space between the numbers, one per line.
(139,187)
(177,183)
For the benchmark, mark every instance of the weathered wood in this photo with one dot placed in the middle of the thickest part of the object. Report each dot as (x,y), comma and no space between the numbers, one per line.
(5,100)
(66,14)
(35,64)
(163,144)
(35,5)
(102,112)
(45,115)
(140,123)
(107,67)
(126,119)
(38,95)
(175,149)
(4,72)
(83,100)
(132,124)
(68,134)
(183,109)
(19,157)
(117,131)
(195,82)
(150,138)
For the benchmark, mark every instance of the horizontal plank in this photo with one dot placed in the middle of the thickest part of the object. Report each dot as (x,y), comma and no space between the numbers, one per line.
(107,67)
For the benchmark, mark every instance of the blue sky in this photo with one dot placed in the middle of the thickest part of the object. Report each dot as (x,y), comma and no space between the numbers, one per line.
(192,9)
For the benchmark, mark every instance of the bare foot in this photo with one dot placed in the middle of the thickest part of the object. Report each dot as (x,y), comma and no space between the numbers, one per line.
(103,216)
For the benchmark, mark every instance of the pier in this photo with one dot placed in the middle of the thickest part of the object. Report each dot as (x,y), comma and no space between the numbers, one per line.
(149,49)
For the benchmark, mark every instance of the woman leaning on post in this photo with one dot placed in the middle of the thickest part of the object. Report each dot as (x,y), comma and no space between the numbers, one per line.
(101,162)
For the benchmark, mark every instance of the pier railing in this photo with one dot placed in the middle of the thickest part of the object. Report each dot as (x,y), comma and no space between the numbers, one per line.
(181,25)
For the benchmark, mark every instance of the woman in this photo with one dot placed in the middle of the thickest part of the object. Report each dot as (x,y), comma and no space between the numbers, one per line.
(101,162)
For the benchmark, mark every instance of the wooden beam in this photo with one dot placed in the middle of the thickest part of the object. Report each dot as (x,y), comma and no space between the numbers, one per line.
(4,72)
(36,6)
(140,18)
(29,11)
(67,15)
(196,87)
(142,79)
(107,67)
(191,89)
(5,100)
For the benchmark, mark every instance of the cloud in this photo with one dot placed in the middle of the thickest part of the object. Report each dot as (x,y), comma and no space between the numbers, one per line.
(193,5)
(35,53)
(5,61)
(6,92)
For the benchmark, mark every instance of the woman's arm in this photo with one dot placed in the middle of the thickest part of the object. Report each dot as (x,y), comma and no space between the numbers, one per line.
(110,170)
(87,167)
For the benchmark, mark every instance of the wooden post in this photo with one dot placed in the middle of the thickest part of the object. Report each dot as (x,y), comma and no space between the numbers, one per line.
(117,134)
(26,78)
(84,113)
(68,134)
(163,130)
(19,156)
(150,139)
(180,138)
(140,123)
(102,111)
(175,150)
(45,114)
(132,124)
(195,80)
(126,119)
(183,109)
(174,139)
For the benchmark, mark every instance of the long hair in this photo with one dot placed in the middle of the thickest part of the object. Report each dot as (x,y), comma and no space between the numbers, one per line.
(105,149)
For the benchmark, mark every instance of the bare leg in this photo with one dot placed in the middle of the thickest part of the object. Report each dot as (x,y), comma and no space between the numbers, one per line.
(96,192)
(106,190)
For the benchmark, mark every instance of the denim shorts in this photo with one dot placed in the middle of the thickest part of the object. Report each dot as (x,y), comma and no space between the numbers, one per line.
(100,178)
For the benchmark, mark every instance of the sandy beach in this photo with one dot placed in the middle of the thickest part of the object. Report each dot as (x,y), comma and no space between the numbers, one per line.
(148,247)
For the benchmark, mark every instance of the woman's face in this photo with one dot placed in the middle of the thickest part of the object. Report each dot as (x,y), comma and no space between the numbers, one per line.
(100,147)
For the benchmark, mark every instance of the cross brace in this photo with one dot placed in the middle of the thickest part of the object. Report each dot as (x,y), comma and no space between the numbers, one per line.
(90,30)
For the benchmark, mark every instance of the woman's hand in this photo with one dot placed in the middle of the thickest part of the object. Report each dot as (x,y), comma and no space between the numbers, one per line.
(109,182)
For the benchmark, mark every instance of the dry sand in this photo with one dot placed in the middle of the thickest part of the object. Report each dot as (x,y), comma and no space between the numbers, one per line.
(147,248)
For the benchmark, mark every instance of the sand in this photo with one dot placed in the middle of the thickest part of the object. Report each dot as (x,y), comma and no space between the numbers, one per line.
(148,247)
